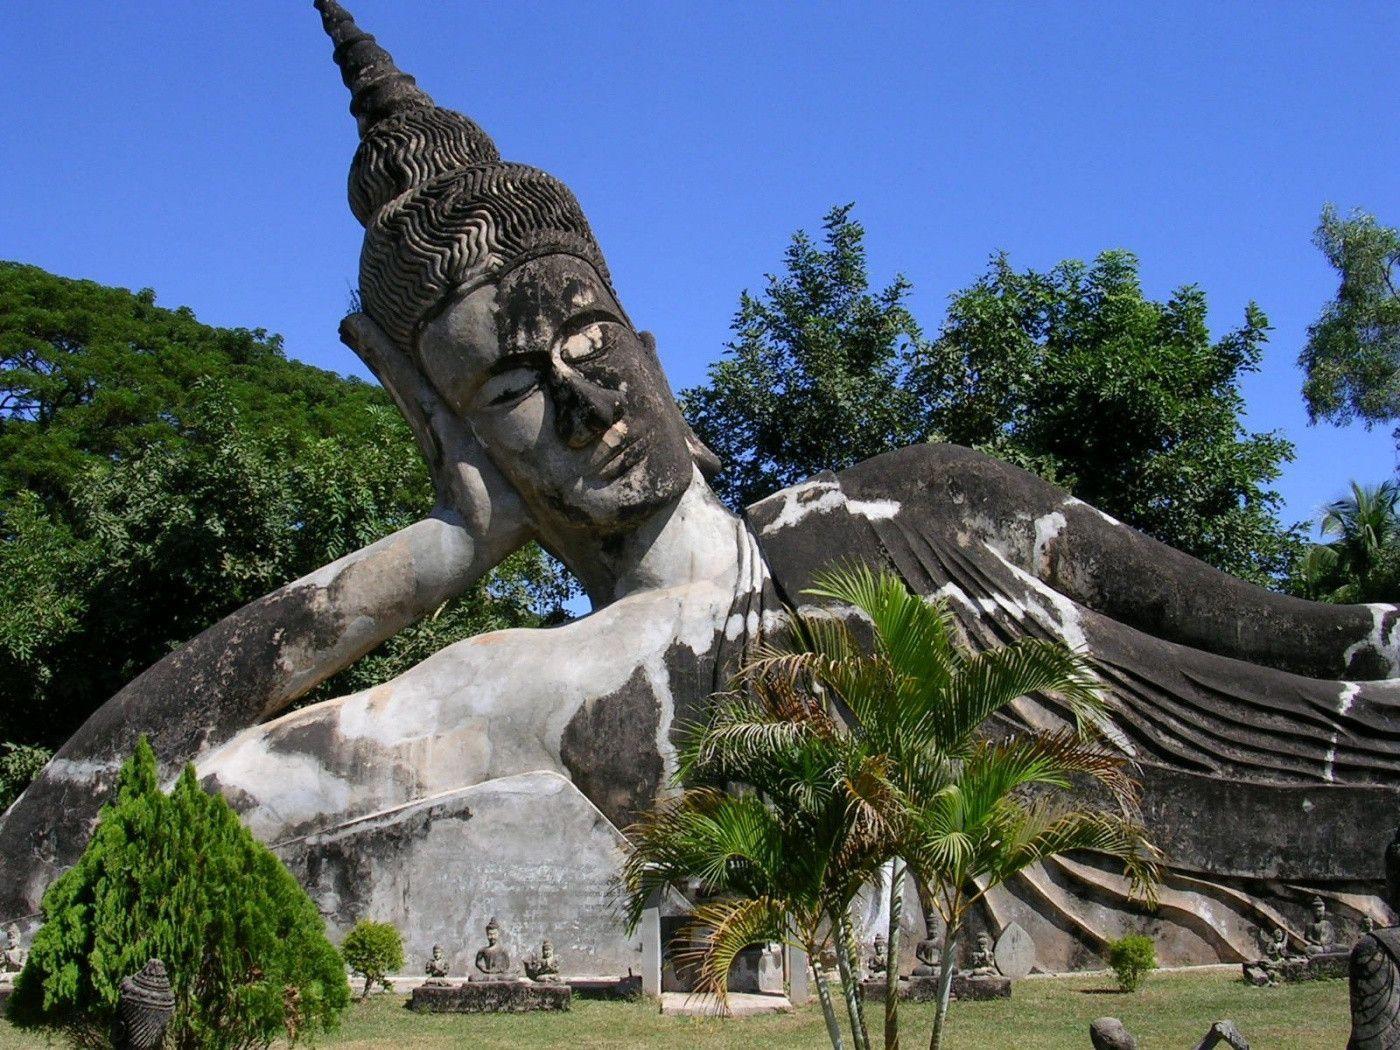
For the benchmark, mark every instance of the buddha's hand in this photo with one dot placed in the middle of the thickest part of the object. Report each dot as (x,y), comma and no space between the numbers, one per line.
(465,478)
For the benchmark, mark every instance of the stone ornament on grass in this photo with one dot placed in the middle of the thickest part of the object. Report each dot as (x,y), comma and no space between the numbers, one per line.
(145,1004)
(15,954)
(1015,952)
(1108,1033)
(1374,976)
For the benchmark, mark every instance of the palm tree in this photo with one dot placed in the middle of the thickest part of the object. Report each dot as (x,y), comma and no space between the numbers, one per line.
(1367,529)
(860,756)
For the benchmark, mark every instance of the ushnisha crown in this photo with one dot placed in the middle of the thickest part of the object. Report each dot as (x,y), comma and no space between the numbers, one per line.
(439,206)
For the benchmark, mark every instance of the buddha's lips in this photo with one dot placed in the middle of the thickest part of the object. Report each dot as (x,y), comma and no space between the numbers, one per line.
(609,454)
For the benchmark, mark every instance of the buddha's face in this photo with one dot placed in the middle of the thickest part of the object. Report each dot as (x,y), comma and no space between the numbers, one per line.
(1319,911)
(567,399)
(492,935)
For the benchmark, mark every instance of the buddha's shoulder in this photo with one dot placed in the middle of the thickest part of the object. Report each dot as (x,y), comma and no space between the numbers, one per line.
(913,481)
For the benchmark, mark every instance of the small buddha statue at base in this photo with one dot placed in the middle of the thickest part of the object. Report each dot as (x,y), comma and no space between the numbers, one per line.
(437,967)
(543,968)
(984,962)
(492,960)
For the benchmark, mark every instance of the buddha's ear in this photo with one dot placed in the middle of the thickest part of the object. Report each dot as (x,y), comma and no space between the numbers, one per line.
(706,460)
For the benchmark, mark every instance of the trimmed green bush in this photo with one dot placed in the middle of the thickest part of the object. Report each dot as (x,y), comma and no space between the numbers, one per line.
(179,878)
(1132,957)
(373,950)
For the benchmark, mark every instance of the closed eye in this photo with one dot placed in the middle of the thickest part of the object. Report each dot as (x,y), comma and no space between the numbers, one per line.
(587,343)
(509,386)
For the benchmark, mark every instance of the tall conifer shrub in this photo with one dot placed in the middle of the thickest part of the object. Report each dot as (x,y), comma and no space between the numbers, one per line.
(179,878)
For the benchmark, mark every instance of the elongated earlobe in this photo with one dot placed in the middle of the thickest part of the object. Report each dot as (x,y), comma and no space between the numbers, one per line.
(706,460)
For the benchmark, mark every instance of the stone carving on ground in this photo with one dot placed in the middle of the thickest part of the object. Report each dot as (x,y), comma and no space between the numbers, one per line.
(544,414)
(1223,1032)
(145,1004)
(1108,1033)
(1014,952)
(1277,957)
(492,960)
(543,967)
(1375,973)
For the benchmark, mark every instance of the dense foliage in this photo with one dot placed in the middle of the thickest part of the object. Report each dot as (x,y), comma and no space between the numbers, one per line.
(1361,560)
(177,877)
(1352,357)
(373,950)
(1072,373)
(814,378)
(1132,957)
(157,473)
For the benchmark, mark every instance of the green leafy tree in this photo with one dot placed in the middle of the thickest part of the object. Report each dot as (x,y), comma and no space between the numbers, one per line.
(1352,357)
(177,877)
(373,950)
(1362,562)
(1127,402)
(19,764)
(1132,957)
(1072,373)
(157,473)
(812,380)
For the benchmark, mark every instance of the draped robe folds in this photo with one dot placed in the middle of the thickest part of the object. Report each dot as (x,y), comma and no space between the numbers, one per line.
(1264,728)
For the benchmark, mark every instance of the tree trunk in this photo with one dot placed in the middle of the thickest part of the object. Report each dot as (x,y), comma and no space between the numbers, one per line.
(945,985)
(892,955)
(847,962)
(833,1023)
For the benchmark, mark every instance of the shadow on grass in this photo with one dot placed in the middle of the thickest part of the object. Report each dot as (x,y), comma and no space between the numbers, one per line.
(1103,991)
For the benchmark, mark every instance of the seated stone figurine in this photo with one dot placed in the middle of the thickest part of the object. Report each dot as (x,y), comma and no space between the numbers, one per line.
(983,960)
(877,962)
(15,954)
(929,950)
(1319,936)
(1374,972)
(1269,969)
(543,412)
(543,968)
(492,959)
(437,968)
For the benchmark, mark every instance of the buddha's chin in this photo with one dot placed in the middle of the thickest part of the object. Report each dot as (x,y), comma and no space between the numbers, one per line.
(620,504)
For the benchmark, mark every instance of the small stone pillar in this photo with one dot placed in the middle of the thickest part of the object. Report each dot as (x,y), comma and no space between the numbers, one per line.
(798,976)
(651,947)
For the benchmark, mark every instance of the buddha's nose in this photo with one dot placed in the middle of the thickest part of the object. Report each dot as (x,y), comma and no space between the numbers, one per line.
(583,410)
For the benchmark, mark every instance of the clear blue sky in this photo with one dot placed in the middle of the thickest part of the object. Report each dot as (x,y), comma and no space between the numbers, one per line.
(201,149)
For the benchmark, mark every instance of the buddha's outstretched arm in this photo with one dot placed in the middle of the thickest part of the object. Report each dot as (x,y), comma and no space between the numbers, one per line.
(260,659)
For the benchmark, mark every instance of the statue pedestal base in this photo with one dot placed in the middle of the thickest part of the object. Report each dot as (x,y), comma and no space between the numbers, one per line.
(1325,966)
(489,997)
(627,989)
(969,988)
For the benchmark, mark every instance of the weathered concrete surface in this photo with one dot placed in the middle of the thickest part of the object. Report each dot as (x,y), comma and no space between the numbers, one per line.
(490,997)
(528,850)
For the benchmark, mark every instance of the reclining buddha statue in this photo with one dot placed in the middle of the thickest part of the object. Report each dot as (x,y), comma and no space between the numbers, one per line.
(1265,729)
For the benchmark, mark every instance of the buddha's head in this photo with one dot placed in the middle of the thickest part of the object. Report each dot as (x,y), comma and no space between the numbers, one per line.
(487,275)
(493,932)
(1319,909)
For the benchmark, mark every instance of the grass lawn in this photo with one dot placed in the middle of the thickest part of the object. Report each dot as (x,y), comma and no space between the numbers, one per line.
(1171,1012)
